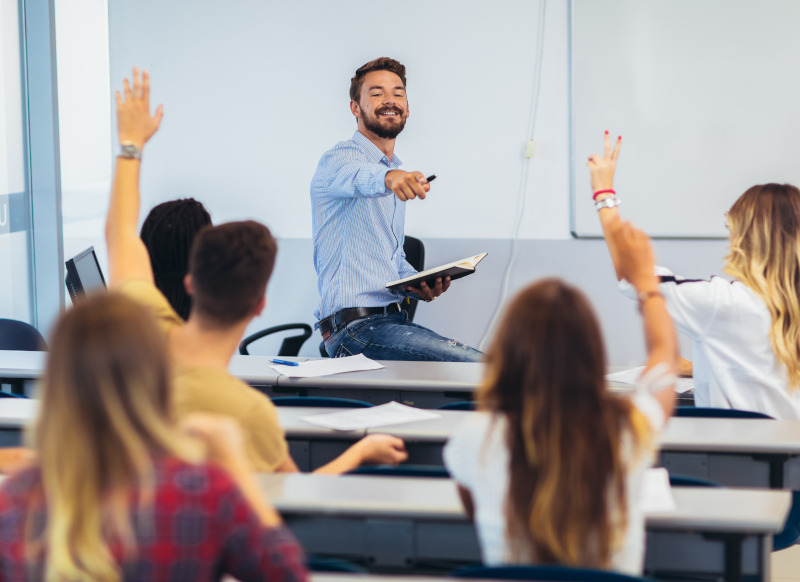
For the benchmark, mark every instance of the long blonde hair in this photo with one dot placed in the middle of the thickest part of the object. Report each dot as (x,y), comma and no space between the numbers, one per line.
(765,256)
(546,376)
(104,418)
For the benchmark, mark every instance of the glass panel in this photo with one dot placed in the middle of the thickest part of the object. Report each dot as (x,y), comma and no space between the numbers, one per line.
(84,117)
(15,263)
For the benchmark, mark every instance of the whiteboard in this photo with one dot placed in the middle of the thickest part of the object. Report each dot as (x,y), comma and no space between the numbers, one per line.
(254,92)
(706,95)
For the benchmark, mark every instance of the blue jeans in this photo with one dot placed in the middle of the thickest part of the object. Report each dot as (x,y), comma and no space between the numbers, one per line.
(393,337)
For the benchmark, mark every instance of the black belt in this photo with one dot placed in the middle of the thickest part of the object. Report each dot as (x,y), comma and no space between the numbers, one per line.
(347,315)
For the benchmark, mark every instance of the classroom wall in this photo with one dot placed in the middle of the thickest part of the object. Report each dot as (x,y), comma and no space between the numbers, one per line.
(529,198)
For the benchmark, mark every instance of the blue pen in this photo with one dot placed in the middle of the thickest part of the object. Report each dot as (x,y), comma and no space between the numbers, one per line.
(284,362)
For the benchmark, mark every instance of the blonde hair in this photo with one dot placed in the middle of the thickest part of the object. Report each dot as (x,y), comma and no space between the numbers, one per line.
(765,256)
(104,419)
(546,376)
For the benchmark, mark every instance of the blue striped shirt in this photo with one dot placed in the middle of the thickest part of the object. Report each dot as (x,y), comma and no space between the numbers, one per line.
(358,228)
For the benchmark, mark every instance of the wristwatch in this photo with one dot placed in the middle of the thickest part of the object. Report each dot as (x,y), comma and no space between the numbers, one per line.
(609,202)
(129,151)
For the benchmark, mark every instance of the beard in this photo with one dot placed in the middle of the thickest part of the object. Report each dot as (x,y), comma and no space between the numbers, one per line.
(382,128)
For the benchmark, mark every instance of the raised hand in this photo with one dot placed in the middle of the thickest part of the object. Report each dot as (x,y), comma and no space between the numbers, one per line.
(602,168)
(634,255)
(135,125)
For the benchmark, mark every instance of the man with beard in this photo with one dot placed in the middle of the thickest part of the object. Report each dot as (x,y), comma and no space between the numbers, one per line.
(358,197)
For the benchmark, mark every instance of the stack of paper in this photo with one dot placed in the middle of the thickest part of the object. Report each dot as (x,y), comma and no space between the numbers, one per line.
(362,418)
(328,366)
(632,376)
(657,492)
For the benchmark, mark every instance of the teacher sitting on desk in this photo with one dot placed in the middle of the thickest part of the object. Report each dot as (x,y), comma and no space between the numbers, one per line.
(358,197)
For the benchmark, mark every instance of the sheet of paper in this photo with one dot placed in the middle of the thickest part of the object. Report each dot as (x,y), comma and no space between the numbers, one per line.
(656,492)
(328,366)
(362,418)
(632,375)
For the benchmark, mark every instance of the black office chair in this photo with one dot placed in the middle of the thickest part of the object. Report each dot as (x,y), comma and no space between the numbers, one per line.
(461,405)
(18,335)
(415,255)
(551,573)
(289,347)
(430,471)
(324,401)
(700,412)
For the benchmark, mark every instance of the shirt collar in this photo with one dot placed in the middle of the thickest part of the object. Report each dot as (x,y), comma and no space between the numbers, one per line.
(373,152)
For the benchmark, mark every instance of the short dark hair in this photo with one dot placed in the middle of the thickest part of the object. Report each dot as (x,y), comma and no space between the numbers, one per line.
(230,266)
(379,64)
(168,233)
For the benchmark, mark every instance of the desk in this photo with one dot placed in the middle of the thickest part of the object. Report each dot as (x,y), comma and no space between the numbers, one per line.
(420,384)
(15,415)
(734,452)
(407,523)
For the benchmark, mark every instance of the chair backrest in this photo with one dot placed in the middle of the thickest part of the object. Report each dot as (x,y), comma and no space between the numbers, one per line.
(324,401)
(402,471)
(552,573)
(699,412)
(690,481)
(462,405)
(326,564)
(289,347)
(415,255)
(18,335)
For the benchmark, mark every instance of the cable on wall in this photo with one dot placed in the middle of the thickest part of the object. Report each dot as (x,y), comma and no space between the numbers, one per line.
(537,76)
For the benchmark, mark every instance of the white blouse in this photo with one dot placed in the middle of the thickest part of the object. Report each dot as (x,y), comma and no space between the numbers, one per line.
(734,365)
(477,458)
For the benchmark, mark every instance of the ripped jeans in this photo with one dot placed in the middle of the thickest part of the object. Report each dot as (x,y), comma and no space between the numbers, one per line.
(392,337)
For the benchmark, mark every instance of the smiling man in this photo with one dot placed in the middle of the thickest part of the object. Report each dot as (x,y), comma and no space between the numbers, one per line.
(358,198)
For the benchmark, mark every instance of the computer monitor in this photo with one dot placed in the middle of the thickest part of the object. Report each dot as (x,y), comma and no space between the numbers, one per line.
(83,274)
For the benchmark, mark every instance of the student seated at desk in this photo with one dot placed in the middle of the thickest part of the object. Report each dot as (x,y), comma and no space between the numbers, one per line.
(168,233)
(745,332)
(552,465)
(118,492)
(229,267)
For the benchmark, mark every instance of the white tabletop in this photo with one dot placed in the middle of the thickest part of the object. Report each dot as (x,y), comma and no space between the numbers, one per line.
(732,435)
(20,364)
(721,435)
(17,412)
(756,511)
(398,375)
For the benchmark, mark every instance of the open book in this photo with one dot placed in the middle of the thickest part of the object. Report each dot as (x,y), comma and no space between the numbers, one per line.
(454,270)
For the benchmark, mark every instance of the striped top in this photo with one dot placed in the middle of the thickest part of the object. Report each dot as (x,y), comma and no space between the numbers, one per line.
(358,228)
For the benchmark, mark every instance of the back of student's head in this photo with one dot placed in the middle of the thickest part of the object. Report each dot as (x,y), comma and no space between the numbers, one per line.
(104,417)
(168,233)
(230,266)
(545,375)
(765,255)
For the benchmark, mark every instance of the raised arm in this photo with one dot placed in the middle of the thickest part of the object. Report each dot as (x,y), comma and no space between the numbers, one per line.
(602,169)
(127,255)
(634,261)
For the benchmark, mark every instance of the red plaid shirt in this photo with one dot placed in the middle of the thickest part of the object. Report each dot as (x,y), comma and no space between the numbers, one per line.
(199,527)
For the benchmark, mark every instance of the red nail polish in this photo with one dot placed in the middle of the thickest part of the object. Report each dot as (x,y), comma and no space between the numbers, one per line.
(606,132)
(619,137)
